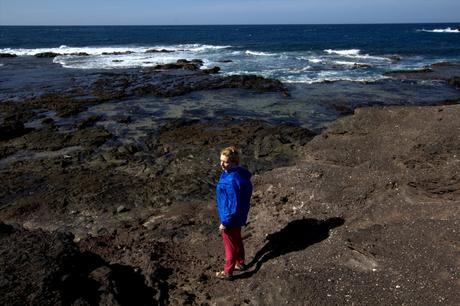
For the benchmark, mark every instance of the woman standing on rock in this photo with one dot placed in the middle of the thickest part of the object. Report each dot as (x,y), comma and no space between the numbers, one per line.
(234,192)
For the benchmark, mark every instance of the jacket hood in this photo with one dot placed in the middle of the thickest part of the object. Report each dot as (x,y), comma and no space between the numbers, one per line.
(243,172)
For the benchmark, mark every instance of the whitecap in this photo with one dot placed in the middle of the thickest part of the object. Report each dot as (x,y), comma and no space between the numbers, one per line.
(238,72)
(110,61)
(315,60)
(355,53)
(197,47)
(344,63)
(98,50)
(313,80)
(446,30)
(258,53)
(349,52)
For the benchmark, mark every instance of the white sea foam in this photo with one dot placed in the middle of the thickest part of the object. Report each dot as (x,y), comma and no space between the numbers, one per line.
(119,61)
(315,60)
(350,52)
(446,30)
(256,53)
(292,67)
(344,63)
(351,64)
(312,80)
(355,53)
(123,56)
(63,49)
(196,47)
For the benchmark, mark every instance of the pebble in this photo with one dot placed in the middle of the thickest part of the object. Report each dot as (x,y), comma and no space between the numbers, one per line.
(122,209)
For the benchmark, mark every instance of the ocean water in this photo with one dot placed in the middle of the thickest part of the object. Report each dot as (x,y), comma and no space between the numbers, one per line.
(329,70)
(290,53)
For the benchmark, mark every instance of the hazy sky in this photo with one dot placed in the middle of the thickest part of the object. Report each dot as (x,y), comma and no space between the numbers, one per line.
(166,12)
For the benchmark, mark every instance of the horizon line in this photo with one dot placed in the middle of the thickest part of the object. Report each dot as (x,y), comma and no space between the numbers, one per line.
(211,24)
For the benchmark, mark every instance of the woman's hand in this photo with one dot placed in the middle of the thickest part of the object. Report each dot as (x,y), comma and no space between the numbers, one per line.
(221,227)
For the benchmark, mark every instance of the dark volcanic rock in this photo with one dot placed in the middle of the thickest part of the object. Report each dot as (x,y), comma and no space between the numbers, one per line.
(39,268)
(333,220)
(343,108)
(409,72)
(395,58)
(392,175)
(195,146)
(181,64)
(88,122)
(7,55)
(118,53)
(211,70)
(455,81)
(11,128)
(252,82)
(188,66)
(159,51)
(47,54)
(171,80)
(360,66)
(440,71)
(159,83)
(79,54)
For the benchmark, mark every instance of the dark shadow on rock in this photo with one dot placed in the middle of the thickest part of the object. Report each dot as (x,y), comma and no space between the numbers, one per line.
(296,236)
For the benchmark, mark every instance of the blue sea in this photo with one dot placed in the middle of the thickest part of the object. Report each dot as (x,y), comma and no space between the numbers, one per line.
(290,53)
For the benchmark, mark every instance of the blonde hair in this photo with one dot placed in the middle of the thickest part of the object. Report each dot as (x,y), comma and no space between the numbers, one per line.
(232,154)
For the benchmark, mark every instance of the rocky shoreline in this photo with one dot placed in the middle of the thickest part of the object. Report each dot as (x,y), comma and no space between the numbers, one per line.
(364,213)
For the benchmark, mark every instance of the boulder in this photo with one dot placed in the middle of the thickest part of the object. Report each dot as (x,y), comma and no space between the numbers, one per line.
(158,51)
(118,53)
(455,81)
(359,66)
(192,65)
(41,268)
(47,54)
(79,54)
(394,58)
(211,70)
(11,128)
(7,55)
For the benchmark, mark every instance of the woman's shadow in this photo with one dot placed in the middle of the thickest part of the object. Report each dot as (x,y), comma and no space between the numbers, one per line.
(296,236)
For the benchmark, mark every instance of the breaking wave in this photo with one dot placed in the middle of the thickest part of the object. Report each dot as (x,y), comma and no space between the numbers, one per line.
(307,66)
(446,30)
(350,52)
(65,50)
(256,53)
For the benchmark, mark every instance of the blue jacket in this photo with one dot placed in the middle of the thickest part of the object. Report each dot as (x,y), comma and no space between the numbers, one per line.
(234,192)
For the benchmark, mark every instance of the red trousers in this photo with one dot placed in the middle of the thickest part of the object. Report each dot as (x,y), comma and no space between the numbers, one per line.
(234,249)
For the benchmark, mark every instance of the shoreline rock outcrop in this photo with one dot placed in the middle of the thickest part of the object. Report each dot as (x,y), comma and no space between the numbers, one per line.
(379,178)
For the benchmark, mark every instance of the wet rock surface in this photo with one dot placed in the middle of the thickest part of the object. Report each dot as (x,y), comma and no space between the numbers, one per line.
(168,80)
(440,71)
(46,54)
(72,173)
(7,55)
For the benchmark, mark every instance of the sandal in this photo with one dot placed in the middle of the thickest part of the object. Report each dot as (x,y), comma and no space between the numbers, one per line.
(224,275)
(240,267)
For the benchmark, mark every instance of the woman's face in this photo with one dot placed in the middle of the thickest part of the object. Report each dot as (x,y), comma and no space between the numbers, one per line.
(225,162)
